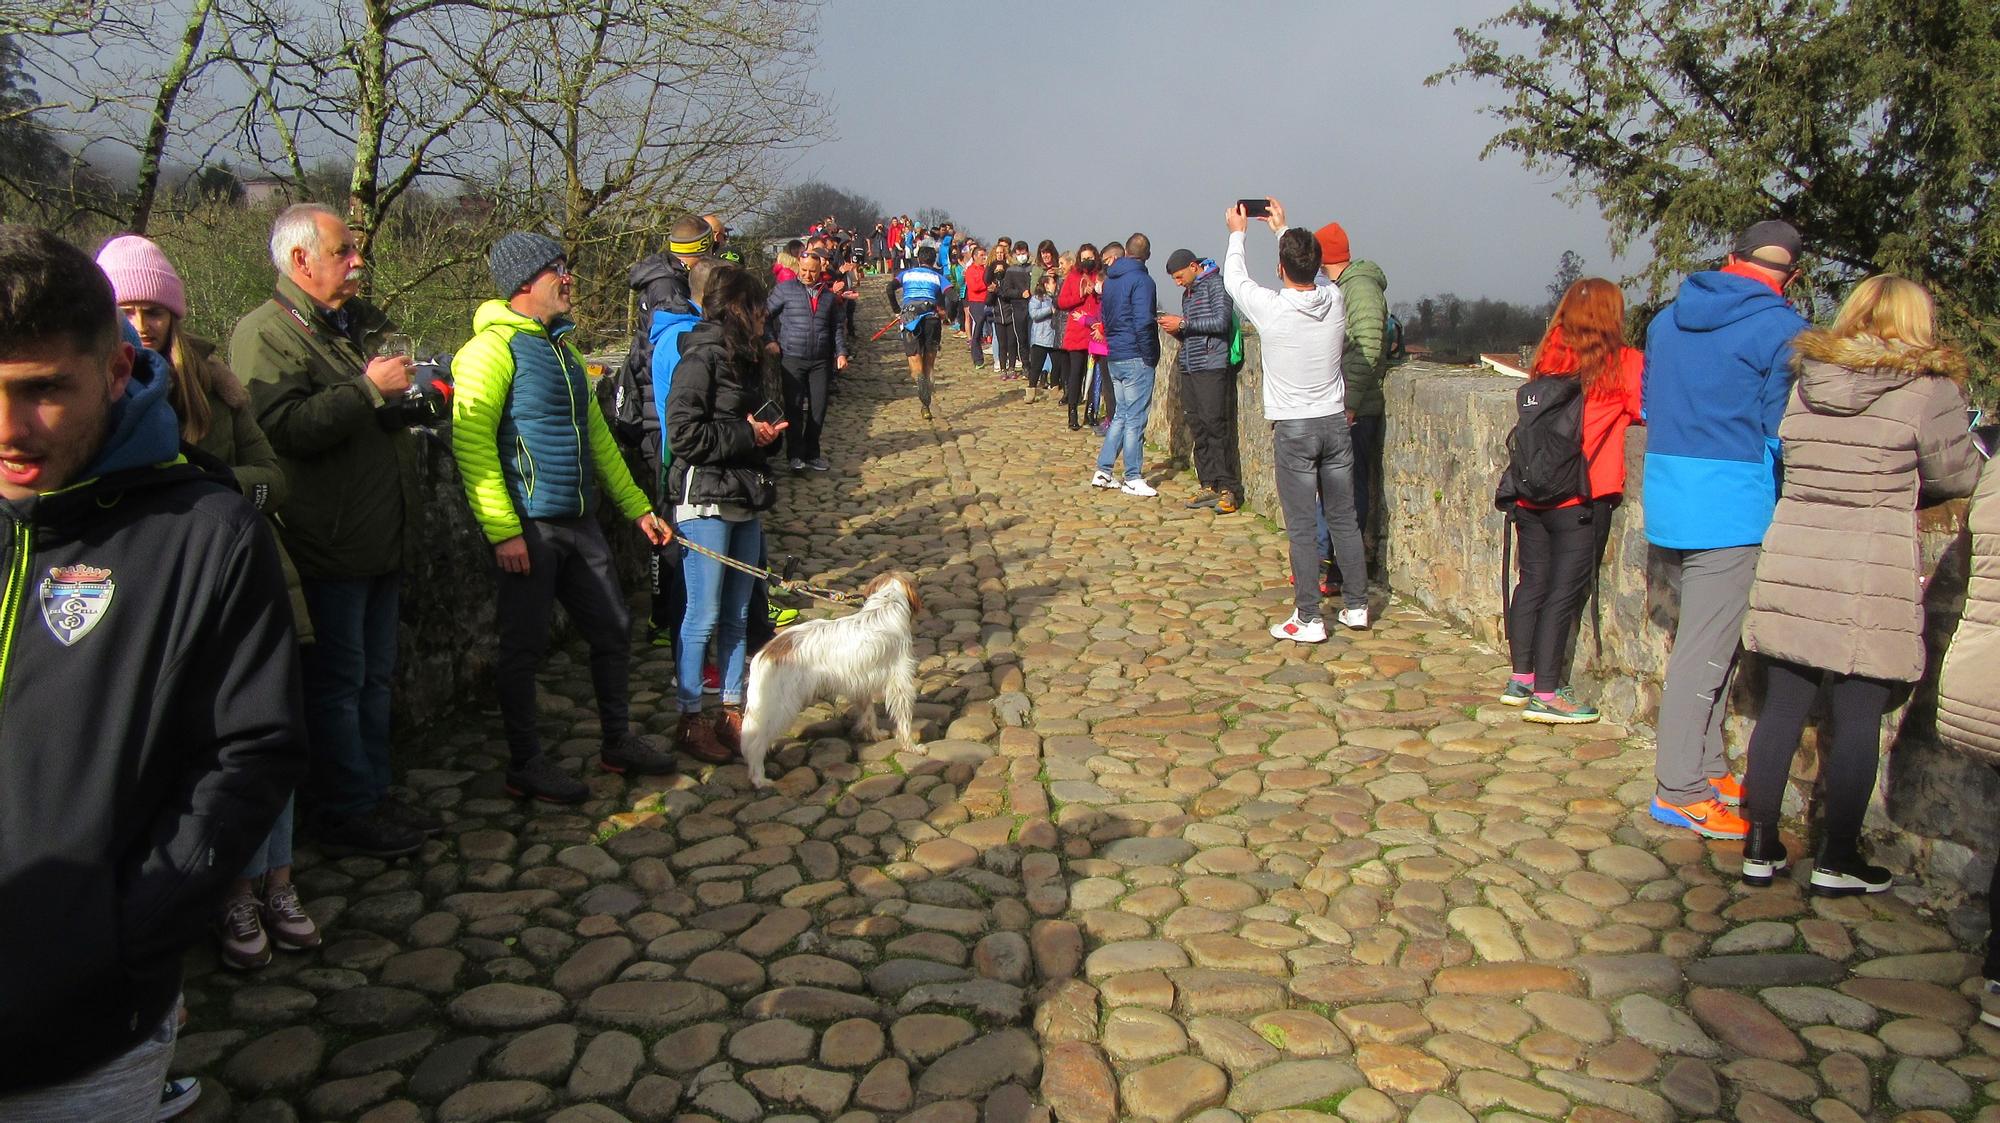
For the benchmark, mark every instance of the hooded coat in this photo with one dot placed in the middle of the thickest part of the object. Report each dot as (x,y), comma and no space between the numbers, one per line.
(1873,430)
(1304,332)
(1968,704)
(1363,286)
(1718,366)
(1128,305)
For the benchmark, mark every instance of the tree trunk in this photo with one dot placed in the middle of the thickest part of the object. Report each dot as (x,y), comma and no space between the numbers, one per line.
(176,80)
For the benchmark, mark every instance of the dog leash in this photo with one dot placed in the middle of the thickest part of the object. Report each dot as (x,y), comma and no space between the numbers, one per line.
(788,584)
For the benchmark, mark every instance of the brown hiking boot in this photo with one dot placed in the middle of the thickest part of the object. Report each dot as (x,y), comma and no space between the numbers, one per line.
(729,729)
(696,737)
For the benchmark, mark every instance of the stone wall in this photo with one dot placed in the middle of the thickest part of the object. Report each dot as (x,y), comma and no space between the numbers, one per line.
(447,648)
(1441,538)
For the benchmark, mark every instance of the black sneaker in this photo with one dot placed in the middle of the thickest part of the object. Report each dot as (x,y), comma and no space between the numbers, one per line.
(1763,855)
(637,752)
(411,816)
(371,834)
(1845,877)
(539,778)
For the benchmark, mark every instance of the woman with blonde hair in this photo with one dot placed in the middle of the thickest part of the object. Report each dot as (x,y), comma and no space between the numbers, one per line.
(1875,428)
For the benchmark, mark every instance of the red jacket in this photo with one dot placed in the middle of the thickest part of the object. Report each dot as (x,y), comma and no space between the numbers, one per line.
(1611,408)
(1081,305)
(975,282)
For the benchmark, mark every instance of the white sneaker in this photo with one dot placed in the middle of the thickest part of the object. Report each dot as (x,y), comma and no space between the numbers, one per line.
(1356,618)
(1103,479)
(1138,487)
(1300,631)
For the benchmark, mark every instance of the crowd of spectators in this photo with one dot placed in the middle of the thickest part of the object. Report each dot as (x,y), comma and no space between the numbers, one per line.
(254,510)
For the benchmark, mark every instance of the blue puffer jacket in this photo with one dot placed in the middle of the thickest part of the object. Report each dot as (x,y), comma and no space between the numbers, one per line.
(1130,301)
(1207,321)
(801,330)
(1718,373)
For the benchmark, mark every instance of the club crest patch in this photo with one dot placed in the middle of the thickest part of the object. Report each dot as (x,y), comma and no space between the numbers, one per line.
(74,599)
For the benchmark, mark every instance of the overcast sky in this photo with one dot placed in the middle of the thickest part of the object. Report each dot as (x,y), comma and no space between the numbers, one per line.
(1078,120)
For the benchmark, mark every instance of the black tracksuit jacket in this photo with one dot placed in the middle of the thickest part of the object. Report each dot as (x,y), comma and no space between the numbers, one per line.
(150,731)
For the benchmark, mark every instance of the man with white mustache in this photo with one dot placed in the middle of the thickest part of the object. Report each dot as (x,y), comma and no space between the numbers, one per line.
(327,383)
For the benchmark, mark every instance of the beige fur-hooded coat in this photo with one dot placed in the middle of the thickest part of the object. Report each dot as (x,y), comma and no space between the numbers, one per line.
(1873,430)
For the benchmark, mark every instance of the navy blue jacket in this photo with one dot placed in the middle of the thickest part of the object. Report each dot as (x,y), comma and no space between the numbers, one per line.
(801,330)
(1207,321)
(1130,300)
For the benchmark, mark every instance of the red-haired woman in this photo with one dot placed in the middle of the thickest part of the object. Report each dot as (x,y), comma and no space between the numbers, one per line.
(1560,545)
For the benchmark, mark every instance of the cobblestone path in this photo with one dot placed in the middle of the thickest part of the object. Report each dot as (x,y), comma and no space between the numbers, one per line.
(1149,865)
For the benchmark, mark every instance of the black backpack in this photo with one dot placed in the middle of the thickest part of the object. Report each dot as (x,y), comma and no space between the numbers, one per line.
(1545,461)
(1546,467)
(621,396)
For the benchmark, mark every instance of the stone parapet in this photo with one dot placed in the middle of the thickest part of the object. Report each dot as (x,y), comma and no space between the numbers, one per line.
(1441,545)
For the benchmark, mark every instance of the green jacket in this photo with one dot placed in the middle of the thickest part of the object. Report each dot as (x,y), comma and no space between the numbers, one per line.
(526,429)
(1362,284)
(354,504)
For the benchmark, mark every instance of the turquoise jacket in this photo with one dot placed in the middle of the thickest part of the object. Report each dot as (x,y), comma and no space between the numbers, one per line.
(526,429)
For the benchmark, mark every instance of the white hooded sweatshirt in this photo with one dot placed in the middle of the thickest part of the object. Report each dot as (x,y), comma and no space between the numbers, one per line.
(1302,332)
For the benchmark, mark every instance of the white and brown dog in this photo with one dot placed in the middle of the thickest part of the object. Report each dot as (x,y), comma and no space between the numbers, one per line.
(863,658)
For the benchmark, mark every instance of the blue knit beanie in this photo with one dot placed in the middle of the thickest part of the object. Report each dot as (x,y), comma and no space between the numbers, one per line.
(517,257)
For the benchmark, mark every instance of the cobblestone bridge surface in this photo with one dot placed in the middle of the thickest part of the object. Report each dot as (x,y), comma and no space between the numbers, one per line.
(1148,866)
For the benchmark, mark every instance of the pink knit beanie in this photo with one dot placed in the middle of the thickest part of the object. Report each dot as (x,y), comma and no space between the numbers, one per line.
(140,272)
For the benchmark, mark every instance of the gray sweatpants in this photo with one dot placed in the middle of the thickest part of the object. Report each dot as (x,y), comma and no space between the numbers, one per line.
(1314,461)
(1714,590)
(124,1089)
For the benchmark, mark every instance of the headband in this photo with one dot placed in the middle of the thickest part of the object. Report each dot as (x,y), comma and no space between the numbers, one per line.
(700,245)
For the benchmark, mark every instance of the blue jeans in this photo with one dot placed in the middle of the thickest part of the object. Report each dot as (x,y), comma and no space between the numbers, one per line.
(718,604)
(276,849)
(348,669)
(1132,390)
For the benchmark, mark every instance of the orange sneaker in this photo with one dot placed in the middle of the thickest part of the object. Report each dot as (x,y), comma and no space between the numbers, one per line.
(1728,789)
(1706,817)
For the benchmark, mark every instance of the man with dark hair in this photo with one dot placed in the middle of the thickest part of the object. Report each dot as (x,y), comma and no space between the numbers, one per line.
(530,442)
(1206,327)
(152,729)
(915,296)
(328,393)
(1132,337)
(1303,330)
(1718,375)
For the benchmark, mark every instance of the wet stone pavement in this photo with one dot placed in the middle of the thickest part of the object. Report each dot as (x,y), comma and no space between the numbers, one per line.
(1148,865)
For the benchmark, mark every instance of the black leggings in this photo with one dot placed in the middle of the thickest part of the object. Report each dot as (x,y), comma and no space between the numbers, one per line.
(1037,355)
(1558,556)
(1069,375)
(1847,758)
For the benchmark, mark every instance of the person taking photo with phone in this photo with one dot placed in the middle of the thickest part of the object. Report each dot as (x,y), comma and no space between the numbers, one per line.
(719,487)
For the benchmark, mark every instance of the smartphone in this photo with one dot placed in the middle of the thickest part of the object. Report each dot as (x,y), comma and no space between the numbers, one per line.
(1255,208)
(769,413)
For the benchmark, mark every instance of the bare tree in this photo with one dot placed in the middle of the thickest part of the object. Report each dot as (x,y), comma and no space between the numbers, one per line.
(620,114)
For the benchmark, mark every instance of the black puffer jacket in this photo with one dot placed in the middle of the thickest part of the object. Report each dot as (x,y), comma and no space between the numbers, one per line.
(805,323)
(716,458)
(1205,322)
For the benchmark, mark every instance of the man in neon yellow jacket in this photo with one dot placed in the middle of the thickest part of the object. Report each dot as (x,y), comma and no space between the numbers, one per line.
(529,437)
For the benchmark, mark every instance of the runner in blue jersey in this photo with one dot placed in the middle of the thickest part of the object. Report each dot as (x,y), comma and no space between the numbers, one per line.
(916,296)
